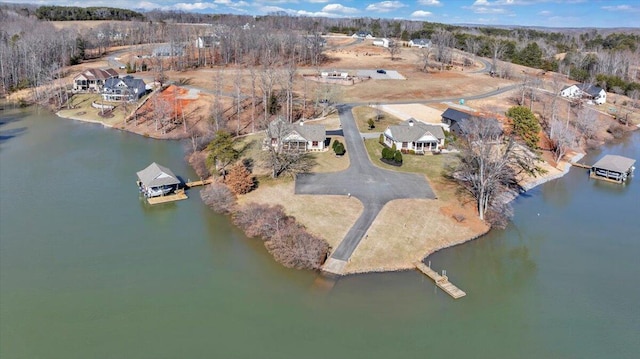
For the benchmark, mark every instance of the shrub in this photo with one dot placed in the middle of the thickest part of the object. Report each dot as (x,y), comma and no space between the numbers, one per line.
(339,149)
(397,157)
(393,147)
(371,123)
(218,197)
(335,143)
(381,139)
(385,153)
(239,179)
(287,240)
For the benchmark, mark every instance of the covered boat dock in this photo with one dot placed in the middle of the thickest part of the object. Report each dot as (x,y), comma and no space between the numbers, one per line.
(157,180)
(613,168)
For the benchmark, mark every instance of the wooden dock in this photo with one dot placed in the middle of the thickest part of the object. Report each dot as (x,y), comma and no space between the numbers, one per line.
(441,281)
(177,196)
(581,165)
(198,183)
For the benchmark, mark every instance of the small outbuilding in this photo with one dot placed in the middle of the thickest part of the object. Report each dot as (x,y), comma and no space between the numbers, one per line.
(613,168)
(157,180)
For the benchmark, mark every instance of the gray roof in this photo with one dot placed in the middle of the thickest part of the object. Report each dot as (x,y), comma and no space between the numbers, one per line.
(130,81)
(306,131)
(455,115)
(155,176)
(615,163)
(592,90)
(405,132)
(423,42)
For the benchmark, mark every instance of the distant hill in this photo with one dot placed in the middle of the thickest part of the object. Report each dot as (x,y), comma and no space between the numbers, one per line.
(71,13)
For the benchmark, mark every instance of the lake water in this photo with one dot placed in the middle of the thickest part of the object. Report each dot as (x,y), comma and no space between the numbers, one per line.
(87,270)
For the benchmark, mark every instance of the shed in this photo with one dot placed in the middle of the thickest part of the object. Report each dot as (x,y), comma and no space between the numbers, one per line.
(613,167)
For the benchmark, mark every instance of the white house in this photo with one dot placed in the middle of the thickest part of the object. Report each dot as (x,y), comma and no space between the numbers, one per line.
(296,137)
(363,35)
(592,92)
(420,43)
(413,135)
(384,42)
(206,41)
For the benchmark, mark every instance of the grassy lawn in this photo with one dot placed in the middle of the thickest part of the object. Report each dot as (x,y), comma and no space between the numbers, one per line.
(432,166)
(82,110)
(250,147)
(362,114)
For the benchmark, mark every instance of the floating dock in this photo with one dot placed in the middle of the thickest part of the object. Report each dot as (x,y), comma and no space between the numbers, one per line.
(199,183)
(441,281)
(176,196)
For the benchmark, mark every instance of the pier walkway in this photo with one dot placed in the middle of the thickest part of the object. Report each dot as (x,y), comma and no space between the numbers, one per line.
(441,281)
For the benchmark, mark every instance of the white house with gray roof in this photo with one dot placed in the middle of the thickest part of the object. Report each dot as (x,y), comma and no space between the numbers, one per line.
(420,43)
(414,135)
(595,93)
(296,137)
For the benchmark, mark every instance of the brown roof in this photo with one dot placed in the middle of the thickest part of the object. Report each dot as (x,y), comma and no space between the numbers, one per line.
(99,74)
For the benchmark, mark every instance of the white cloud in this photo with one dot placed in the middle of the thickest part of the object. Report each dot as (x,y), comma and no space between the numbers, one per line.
(625,8)
(421,14)
(339,9)
(385,6)
(429,3)
(194,6)
(318,1)
(488,10)
(544,13)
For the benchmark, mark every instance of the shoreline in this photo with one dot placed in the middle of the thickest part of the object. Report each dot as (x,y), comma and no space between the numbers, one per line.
(57,113)
(529,184)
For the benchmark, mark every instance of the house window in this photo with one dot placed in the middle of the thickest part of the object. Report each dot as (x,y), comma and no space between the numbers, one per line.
(314,143)
(405,144)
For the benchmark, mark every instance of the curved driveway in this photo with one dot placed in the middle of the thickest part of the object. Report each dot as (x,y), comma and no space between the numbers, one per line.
(373,186)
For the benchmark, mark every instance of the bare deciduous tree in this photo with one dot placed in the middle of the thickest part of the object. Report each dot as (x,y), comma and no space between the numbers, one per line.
(443,41)
(488,165)
(562,138)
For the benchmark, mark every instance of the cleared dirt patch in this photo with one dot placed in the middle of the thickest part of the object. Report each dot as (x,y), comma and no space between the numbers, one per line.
(420,112)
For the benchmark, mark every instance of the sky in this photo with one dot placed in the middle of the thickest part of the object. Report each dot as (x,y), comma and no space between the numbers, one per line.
(548,13)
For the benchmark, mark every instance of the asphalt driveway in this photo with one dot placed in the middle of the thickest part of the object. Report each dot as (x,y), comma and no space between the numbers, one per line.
(373,186)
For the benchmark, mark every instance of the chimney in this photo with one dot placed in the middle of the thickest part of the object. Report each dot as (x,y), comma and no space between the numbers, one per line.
(411,122)
(301,123)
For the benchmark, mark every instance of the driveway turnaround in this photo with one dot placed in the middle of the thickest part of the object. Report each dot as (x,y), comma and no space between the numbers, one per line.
(373,186)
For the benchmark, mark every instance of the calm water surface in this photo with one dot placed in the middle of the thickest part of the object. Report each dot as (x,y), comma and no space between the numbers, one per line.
(89,271)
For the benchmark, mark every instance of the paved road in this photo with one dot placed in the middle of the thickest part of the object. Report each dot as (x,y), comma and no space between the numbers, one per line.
(373,186)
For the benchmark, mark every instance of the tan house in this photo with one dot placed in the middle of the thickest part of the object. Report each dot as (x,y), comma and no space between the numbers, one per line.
(92,80)
(414,136)
(296,137)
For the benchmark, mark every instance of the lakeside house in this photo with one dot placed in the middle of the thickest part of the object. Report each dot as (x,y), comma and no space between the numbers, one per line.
(126,88)
(301,137)
(414,135)
(613,168)
(456,121)
(591,92)
(93,80)
(157,180)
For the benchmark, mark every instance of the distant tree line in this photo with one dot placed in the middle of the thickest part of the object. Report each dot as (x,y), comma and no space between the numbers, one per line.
(74,13)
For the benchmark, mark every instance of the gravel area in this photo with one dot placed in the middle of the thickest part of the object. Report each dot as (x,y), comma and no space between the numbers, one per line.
(390,75)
